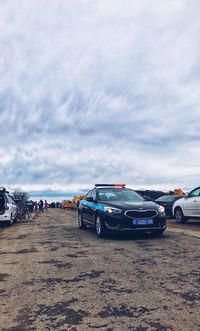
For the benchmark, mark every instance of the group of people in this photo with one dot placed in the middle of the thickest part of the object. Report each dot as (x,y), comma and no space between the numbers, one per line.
(40,206)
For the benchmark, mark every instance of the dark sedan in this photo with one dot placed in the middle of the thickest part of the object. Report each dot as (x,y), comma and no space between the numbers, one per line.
(117,208)
(167,202)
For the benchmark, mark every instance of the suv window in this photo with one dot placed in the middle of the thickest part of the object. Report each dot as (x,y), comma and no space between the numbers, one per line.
(2,201)
(7,198)
(10,199)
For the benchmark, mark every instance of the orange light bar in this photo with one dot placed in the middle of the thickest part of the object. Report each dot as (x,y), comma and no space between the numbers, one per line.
(120,185)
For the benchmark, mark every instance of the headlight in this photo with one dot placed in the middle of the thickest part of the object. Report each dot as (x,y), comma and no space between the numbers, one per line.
(161,210)
(112,210)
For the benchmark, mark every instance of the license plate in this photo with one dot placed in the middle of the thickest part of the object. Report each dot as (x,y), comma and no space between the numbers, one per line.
(142,222)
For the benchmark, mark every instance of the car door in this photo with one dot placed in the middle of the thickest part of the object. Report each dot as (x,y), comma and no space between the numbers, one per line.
(14,208)
(92,207)
(192,203)
(86,207)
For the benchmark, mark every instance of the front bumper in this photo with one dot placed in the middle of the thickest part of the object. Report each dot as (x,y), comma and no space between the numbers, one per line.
(123,223)
(144,229)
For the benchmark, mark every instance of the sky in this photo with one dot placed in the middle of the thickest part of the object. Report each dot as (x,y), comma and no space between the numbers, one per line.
(96,91)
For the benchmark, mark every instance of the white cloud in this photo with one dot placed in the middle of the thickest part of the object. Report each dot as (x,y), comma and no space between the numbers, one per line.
(99,91)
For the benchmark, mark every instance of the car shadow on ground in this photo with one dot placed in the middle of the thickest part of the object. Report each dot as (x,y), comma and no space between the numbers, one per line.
(129,235)
(192,223)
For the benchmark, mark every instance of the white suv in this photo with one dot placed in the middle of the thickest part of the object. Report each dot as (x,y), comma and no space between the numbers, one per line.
(8,207)
(188,206)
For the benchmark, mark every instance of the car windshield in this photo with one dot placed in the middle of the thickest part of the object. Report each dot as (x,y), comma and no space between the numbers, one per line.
(117,194)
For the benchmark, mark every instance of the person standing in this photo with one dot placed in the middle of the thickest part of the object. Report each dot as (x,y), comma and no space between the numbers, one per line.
(35,206)
(46,205)
(41,204)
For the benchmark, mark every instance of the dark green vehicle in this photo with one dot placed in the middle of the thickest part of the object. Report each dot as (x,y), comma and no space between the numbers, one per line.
(115,208)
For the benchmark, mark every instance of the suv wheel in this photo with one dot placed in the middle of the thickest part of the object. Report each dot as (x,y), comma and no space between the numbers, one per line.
(11,221)
(99,228)
(179,216)
(81,223)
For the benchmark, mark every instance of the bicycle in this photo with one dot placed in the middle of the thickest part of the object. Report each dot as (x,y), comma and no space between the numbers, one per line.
(23,213)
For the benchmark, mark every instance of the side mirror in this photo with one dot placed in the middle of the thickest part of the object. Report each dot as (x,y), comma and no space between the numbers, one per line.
(186,195)
(90,199)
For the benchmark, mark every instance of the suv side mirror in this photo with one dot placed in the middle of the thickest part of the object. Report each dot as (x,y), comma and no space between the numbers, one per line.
(186,195)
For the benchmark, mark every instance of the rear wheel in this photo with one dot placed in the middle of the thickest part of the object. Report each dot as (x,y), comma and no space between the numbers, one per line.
(179,216)
(81,223)
(10,222)
(100,228)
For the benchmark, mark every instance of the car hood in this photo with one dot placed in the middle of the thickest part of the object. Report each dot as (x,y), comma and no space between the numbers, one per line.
(130,206)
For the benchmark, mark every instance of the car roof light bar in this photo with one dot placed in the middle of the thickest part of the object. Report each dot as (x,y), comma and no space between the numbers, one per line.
(112,185)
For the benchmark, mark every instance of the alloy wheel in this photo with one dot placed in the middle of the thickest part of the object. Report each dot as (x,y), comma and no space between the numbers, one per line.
(179,216)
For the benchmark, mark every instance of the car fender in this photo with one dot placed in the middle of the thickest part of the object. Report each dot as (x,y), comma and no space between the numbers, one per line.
(100,211)
(179,203)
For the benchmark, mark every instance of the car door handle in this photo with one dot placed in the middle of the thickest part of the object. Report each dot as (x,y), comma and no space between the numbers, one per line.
(194,200)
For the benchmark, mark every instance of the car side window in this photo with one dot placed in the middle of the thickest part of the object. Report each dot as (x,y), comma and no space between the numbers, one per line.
(93,194)
(88,195)
(195,193)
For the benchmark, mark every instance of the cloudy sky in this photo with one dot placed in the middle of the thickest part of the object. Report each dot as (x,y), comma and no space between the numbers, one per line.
(99,91)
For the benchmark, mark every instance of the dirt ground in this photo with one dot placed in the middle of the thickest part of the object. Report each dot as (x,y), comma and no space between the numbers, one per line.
(54,276)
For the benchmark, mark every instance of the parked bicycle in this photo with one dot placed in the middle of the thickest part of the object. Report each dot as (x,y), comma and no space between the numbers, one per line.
(23,213)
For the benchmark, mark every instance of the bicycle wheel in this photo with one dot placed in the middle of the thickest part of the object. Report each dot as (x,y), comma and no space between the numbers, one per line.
(19,217)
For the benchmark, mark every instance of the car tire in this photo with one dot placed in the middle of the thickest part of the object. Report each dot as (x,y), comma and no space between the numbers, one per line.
(99,228)
(11,221)
(81,223)
(15,219)
(179,217)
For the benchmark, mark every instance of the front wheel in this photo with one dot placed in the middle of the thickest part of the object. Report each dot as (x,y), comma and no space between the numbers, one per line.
(158,233)
(179,216)
(99,227)
(81,223)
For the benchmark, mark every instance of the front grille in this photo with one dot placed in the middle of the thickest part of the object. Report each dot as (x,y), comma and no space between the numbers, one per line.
(141,213)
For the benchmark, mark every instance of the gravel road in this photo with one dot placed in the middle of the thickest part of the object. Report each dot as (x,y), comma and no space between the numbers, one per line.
(56,277)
